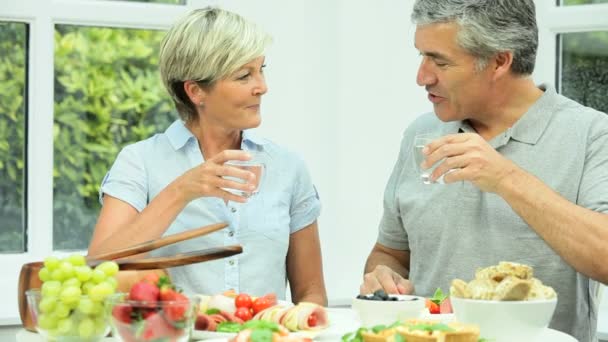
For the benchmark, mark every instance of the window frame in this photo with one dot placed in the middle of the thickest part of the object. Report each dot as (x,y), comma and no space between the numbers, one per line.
(42,16)
(554,19)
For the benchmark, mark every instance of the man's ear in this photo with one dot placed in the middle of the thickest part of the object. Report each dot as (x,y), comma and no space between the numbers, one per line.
(502,64)
(195,93)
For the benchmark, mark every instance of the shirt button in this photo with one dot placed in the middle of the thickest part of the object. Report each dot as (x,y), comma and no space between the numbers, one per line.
(231,262)
(233,209)
(231,233)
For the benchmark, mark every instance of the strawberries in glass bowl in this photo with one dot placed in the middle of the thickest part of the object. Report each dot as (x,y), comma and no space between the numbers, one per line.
(152,311)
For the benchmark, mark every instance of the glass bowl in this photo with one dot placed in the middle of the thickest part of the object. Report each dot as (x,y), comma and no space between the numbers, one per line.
(65,319)
(162,320)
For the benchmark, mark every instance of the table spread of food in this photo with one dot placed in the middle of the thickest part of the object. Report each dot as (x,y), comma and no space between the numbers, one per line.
(154,309)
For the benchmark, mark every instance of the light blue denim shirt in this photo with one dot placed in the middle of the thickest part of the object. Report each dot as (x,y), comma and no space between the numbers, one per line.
(286,203)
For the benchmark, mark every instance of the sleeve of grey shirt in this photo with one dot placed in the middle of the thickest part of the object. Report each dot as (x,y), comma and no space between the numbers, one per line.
(391,232)
(593,190)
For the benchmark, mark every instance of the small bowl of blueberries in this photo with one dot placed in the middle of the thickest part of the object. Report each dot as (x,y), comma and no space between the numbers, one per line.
(380,308)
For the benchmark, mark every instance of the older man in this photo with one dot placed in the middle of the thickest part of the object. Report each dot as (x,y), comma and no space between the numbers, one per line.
(526,169)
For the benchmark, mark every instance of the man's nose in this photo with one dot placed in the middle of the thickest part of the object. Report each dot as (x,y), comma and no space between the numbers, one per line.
(425,76)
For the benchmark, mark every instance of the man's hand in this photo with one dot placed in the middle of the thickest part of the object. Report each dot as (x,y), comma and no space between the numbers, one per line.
(468,157)
(382,277)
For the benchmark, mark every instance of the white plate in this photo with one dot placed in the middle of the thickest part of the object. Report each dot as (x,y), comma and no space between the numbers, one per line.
(555,336)
(224,336)
(202,335)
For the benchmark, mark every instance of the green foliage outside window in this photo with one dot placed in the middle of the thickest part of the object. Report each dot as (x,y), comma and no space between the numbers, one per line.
(584,64)
(107,94)
(583,2)
(12,135)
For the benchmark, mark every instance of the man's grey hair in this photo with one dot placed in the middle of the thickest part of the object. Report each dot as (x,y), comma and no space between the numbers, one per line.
(487,27)
(205,46)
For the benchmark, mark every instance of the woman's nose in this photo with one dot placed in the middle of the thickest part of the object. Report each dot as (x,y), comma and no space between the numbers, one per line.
(261,88)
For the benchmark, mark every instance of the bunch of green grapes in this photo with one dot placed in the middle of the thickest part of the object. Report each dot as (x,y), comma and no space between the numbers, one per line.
(72,297)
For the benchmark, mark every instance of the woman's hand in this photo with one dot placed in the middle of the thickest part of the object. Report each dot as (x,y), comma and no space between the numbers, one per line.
(209,178)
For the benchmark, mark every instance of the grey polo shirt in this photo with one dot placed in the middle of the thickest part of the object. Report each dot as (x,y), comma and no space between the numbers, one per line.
(452,229)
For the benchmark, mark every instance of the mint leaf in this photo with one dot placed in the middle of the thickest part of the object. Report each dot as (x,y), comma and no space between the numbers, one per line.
(438,297)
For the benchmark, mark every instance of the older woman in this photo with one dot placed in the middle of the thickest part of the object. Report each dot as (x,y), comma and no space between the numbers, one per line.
(211,63)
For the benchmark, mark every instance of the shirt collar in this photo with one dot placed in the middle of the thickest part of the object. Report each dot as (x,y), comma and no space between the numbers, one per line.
(529,128)
(179,136)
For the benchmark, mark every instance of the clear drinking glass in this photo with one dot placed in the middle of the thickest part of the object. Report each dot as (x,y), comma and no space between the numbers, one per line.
(420,141)
(254,165)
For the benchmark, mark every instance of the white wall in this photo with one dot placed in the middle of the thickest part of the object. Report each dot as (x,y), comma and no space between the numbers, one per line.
(342,86)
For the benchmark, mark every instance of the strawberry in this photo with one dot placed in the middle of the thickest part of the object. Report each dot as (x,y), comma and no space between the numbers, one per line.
(155,327)
(122,313)
(175,304)
(144,291)
(151,278)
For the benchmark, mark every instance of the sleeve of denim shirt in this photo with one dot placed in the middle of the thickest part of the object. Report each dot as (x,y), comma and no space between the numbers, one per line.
(391,232)
(127,179)
(305,204)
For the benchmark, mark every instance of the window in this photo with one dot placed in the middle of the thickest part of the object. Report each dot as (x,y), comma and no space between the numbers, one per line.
(583,2)
(13,118)
(68,103)
(107,94)
(583,60)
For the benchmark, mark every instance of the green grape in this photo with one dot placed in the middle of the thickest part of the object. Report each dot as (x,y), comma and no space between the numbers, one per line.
(64,326)
(86,328)
(67,269)
(71,282)
(47,322)
(70,295)
(86,287)
(110,268)
(83,273)
(97,308)
(100,291)
(51,263)
(100,325)
(98,276)
(44,274)
(51,288)
(47,304)
(61,310)
(113,282)
(57,274)
(77,260)
(86,306)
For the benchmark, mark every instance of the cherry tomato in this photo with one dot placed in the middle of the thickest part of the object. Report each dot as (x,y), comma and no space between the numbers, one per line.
(243,313)
(312,320)
(432,306)
(243,300)
(260,304)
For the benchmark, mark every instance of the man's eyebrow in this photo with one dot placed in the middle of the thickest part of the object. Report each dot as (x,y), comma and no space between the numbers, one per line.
(436,55)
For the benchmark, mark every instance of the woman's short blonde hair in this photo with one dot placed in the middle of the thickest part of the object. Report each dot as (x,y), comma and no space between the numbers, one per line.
(206,45)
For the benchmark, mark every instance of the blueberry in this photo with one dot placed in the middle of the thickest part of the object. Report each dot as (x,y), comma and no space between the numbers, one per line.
(381,294)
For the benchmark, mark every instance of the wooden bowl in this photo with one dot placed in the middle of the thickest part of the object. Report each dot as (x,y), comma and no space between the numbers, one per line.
(28,279)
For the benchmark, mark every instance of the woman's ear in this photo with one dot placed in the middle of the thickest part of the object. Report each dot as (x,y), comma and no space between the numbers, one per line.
(503,61)
(194,92)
